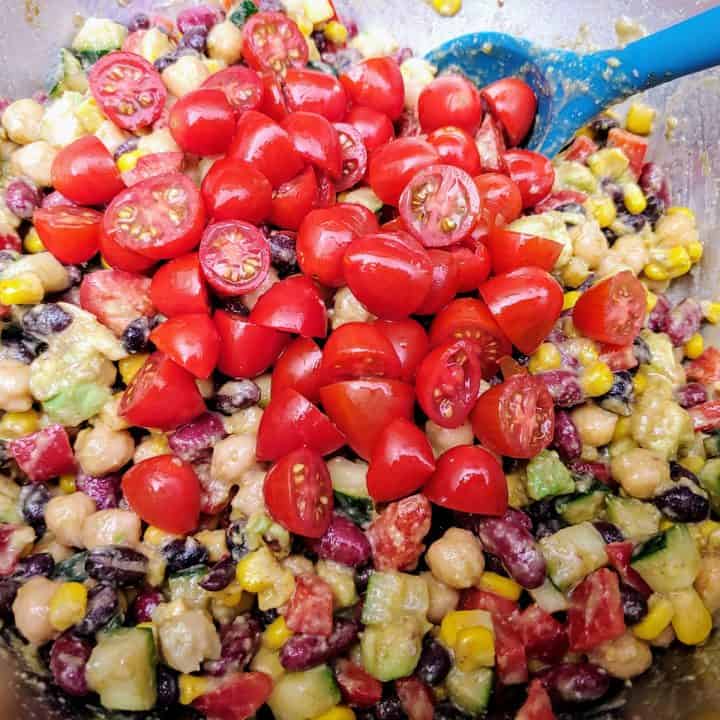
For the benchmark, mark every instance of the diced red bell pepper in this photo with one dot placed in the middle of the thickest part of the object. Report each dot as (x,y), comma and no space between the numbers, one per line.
(416,698)
(496,605)
(238,697)
(581,149)
(544,637)
(357,686)
(706,368)
(510,655)
(634,147)
(596,611)
(310,610)
(618,358)
(557,199)
(538,705)
(706,417)
(45,454)
(491,146)
(619,555)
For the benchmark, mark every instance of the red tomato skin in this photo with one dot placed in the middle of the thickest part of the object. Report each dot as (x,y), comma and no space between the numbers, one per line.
(293,201)
(393,165)
(525,304)
(119,258)
(416,698)
(375,127)
(310,610)
(315,92)
(581,149)
(315,140)
(538,705)
(473,266)
(632,145)
(450,100)
(544,637)
(354,156)
(299,368)
(445,282)
(71,234)
(389,273)
(619,557)
(203,122)
(255,45)
(147,166)
(273,103)
(234,190)
(613,310)
(44,454)
(500,198)
(298,493)
(496,605)
(491,146)
(401,462)
(357,686)
(292,305)
(85,172)
(706,368)
(246,349)
(165,492)
(557,199)
(457,147)
(513,104)
(706,416)
(618,358)
(178,287)
(595,614)
(533,173)
(192,341)
(291,421)
(241,85)
(262,143)
(410,341)
(362,408)
(116,298)
(378,84)
(239,696)
(512,250)
(470,479)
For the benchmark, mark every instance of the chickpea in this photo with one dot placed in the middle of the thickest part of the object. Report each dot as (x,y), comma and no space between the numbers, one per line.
(298,565)
(595,425)
(111,527)
(109,416)
(31,610)
(443,599)
(244,422)
(224,42)
(52,274)
(707,583)
(49,544)
(231,458)
(589,243)
(456,559)
(35,162)
(15,386)
(110,135)
(631,250)
(249,299)
(22,120)
(249,499)
(660,425)
(347,308)
(624,657)
(442,439)
(185,75)
(677,229)
(640,472)
(65,516)
(100,450)
(188,639)
(158,141)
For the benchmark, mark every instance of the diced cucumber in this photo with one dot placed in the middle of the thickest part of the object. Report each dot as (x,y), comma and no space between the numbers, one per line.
(121,669)
(244,10)
(709,478)
(68,76)
(636,519)
(268,661)
(9,502)
(348,477)
(359,510)
(572,553)
(185,586)
(60,127)
(99,36)
(584,507)
(712,445)
(547,476)
(393,596)
(304,695)
(575,176)
(470,691)
(72,569)
(392,650)
(549,598)
(669,561)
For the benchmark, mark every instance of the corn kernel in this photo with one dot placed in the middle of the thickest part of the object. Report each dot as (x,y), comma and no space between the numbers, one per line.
(127,161)
(623,428)
(23,289)
(546,357)
(257,570)
(660,613)
(597,379)
(276,634)
(232,596)
(587,353)
(585,131)
(157,537)
(90,115)
(214,65)
(603,210)
(575,273)
(339,712)
(304,25)
(32,242)
(654,271)
(693,463)
(650,300)
(666,524)
(694,346)
(711,312)
(680,210)
(67,605)
(318,11)
(458,620)
(691,622)
(67,484)
(336,32)
(18,424)
(695,250)
(130,366)
(640,119)
(191,688)
(634,198)
(503,586)
(474,648)
(447,8)
(570,299)
(640,383)
(708,527)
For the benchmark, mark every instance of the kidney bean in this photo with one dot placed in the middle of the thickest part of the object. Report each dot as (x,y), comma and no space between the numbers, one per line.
(126,147)
(168,691)
(653,181)
(301,652)
(575,682)
(220,575)
(684,321)
(659,316)
(237,395)
(118,565)
(591,471)
(516,547)
(181,554)
(68,657)
(140,21)
(691,395)
(103,605)
(198,16)
(682,504)
(8,591)
(33,499)
(434,663)
(567,438)
(56,199)
(239,641)
(105,490)
(195,38)
(389,708)
(344,542)
(634,603)
(22,198)
(641,351)
(282,251)
(144,605)
(38,564)
(610,533)
(192,442)
(236,540)
(564,387)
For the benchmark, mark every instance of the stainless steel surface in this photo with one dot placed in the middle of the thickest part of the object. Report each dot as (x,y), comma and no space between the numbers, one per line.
(685,684)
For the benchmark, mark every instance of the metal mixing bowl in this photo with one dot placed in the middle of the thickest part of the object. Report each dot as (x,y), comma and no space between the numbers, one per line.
(685,683)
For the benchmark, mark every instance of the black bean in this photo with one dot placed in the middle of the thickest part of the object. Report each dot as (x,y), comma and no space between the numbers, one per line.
(634,223)
(682,504)
(571,207)
(236,395)
(620,396)
(136,334)
(181,554)
(195,38)
(641,350)
(140,21)
(239,640)
(320,40)
(545,517)
(575,682)
(434,663)
(168,692)
(165,61)
(267,617)
(38,564)
(219,576)
(362,577)
(15,345)
(103,604)
(234,305)
(654,209)
(46,319)
(447,711)
(301,651)
(8,591)
(282,251)
(389,708)
(237,540)
(33,500)
(602,125)
(610,533)
(126,147)
(635,606)
(679,472)
(118,565)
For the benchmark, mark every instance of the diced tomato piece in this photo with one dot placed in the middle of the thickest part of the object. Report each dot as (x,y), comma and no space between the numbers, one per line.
(192,341)
(620,554)
(491,146)
(496,605)
(239,697)
(510,654)
(357,686)
(706,368)
(45,454)
(543,636)
(618,358)
(706,417)
(634,147)
(416,698)
(154,164)
(596,611)
(14,540)
(538,705)
(310,610)
(396,534)
(558,199)
(581,149)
